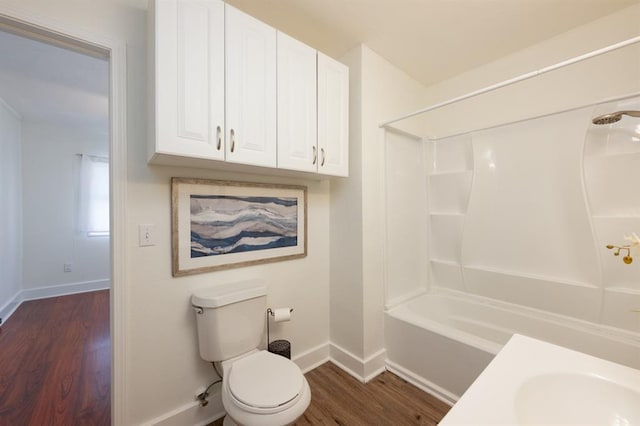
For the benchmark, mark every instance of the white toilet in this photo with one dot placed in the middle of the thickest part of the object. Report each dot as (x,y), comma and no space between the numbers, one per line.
(258,388)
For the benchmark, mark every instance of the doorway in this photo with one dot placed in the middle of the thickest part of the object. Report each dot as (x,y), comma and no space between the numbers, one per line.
(113,55)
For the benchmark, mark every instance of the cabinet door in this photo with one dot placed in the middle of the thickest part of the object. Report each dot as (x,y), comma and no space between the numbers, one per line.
(297,106)
(189,78)
(251,89)
(333,117)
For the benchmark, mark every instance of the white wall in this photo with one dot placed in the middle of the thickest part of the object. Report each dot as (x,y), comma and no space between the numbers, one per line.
(346,305)
(163,369)
(11,211)
(613,74)
(51,238)
(163,352)
(377,90)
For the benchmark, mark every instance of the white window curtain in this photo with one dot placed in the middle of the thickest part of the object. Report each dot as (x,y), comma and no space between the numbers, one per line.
(93,206)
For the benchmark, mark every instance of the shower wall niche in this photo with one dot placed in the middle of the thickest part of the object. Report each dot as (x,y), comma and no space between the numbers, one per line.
(449,186)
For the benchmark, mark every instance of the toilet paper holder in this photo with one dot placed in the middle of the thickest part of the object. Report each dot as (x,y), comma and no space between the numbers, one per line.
(270,312)
(273,314)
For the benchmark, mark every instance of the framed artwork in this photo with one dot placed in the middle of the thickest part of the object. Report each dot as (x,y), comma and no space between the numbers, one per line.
(223,224)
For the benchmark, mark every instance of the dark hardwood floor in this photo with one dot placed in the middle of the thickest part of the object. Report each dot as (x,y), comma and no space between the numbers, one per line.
(339,399)
(55,370)
(55,362)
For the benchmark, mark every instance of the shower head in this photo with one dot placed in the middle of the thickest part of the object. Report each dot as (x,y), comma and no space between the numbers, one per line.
(614,117)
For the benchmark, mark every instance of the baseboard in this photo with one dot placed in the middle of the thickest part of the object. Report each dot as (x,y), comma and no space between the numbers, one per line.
(348,362)
(10,307)
(362,369)
(312,358)
(54,291)
(374,365)
(422,383)
(64,289)
(191,414)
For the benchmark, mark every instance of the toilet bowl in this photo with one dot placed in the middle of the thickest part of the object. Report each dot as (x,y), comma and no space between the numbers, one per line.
(263,389)
(258,388)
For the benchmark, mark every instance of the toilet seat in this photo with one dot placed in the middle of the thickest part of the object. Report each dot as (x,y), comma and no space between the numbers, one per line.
(264,383)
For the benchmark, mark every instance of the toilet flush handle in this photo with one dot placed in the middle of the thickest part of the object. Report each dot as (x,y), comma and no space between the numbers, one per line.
(198,309)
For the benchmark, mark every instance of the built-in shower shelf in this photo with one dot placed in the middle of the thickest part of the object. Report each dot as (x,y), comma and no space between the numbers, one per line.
(616,216)
(530,276)
(449,188)
(606,157)
(624,290)
(445,262)
(611,155)
(450,172)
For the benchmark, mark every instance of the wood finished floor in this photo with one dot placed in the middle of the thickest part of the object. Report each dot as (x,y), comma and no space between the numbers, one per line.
(55,362)
(339,399)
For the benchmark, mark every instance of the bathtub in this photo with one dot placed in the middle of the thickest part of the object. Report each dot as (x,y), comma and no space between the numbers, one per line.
(441,341)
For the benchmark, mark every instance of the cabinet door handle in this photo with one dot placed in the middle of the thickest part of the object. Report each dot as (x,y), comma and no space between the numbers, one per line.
(322,153)
(219,136)
(315,155)
(232,133)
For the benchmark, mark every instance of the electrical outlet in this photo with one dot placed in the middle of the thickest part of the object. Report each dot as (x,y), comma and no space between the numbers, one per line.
(67,267)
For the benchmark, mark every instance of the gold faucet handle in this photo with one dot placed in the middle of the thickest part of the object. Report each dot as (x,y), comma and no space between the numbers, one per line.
(626,259)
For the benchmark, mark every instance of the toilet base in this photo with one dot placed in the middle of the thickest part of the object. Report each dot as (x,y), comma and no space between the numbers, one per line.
(228,421)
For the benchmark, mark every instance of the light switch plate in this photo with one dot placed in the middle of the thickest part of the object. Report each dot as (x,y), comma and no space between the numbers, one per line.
(146,235)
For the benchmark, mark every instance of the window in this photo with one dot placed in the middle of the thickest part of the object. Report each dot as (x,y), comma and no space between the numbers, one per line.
(93,217)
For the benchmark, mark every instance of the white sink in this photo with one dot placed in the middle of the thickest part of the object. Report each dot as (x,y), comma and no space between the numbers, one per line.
(576,399)
(531,382)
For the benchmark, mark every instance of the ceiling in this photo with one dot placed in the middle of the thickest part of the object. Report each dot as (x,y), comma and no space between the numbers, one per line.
(50,84)
(430,40)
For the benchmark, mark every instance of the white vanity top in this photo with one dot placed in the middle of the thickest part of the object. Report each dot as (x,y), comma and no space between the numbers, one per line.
(531,382)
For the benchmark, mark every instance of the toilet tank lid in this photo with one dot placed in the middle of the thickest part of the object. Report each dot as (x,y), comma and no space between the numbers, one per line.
(225,294)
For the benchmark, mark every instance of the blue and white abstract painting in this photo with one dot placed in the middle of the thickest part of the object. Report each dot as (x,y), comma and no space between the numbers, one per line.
(222,224)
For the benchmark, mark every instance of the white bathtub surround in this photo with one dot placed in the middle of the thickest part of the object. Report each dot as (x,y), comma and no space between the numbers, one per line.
(522,213)
(534,382)
(518,218)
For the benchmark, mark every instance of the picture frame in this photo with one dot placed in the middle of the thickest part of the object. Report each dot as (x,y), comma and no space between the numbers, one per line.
(220,224)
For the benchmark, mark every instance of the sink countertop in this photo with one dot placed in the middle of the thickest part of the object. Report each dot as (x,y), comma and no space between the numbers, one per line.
(506,393)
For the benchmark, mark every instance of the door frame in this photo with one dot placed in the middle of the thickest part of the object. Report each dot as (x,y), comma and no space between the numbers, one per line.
(26,22)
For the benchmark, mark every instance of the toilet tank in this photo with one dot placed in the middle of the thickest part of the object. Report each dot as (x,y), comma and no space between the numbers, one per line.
(230,318)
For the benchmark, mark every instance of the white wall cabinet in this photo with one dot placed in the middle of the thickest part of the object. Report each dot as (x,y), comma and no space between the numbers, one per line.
(333,117)
(228,89)
(297,105)
(188,81)
(250,50)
